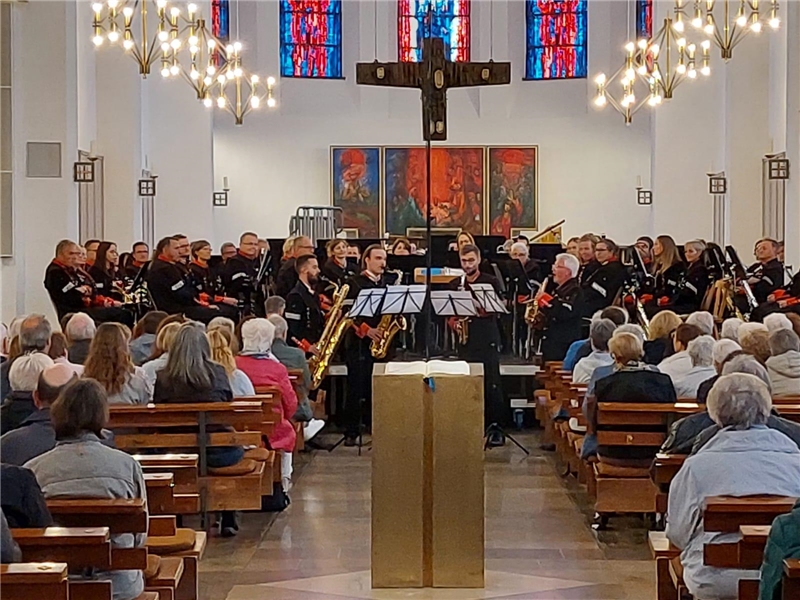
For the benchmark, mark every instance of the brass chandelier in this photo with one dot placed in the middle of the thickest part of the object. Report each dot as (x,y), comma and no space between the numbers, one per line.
(631,77)
(184,46)
(738,19)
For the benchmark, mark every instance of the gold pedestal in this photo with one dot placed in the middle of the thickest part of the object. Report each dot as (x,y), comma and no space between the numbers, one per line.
(427,480)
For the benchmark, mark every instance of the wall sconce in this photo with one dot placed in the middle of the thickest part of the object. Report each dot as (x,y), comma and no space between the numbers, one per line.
(717,184)
(221,198)
(644,197)
(147,187)
(83,172)
(778,168)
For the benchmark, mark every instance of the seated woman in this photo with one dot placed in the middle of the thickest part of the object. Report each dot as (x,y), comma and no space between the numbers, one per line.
(744,458)
(81,466)
(158,360)
(723,350)
(263,369)
(109,363)
(701,353)
(659,345)
(754,340)
(143,339)
(191,376)
(219,340)
(784,364)
(600,333)
(631,381)
(23,377)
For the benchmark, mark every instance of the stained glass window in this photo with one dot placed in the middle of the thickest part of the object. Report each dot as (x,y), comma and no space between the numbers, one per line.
(449,20)
(644,19)
(311,38)
(556,39)
(220,21)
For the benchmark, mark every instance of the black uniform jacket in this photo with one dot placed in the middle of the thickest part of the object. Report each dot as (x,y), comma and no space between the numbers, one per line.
(668,281)
(357,283)
(587,270)
(104,283)
(203,280)
(286,278)
(332,273)
(770,275)
(601,287)
(564,320)
(172,292)
(691,289)
(303,314)
(483,329)
(62,283)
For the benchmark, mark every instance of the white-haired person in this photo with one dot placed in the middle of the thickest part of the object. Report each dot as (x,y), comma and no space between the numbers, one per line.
(264,369)
(701,352)
(730,329)
(34,336)
(23,376)
(80,331)
(722,352)
(775,321)
(582,348)
(678,364)
(754,340)
(563,308)
(784,364)
(743,458)
(600,333)
(704,321)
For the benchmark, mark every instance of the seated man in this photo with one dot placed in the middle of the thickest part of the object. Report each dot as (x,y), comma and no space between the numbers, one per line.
(600,333)
(704,321)
(295,358)
(80,331)
(680,363)
(581,348)
(275,305)
(33,336)
(24,376)
(21,498)
(744,458)
(701,353)
(724,349)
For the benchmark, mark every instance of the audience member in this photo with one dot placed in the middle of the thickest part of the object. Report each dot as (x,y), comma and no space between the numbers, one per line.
(164,340)
(191,376)
(724,349)
(701,352)
(744,458)
(21,498)
(80,330)
(600,333)
(9,549)
(35,435)
(677,365)
(275,305)
(228,325)
(582,348)
(776,321)
(754,340)
(295,358)
(730,329)
(659,345)
(58,352)
(34,336)
(109,362)
(631,381)
(144,336)
(704,321)
(219,340)
(24,375)
(784,364)
(794,318)
(783,542)
(258,362)
(81,466)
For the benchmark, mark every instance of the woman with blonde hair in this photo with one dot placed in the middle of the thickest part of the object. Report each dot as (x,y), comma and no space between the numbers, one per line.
(337,269)
(667,269)
(220,339)
(692,287)
(659,345)
(164,340)
(109,362)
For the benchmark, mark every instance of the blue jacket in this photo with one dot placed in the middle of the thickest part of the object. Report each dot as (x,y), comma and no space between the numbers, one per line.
(783,542)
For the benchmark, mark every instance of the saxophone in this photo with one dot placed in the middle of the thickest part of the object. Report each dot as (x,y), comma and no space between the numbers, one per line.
(388,327)
(532,317)
(461,325)
(335,327)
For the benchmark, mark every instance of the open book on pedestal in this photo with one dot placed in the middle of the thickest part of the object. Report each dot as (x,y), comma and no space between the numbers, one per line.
(426,369)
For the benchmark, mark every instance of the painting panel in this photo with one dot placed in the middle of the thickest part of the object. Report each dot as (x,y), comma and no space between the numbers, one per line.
(356,187)
(513,182)
(457,196)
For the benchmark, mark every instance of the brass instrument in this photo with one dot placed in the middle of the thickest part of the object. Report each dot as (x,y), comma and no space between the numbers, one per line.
(532,313)
(461,325)
(389,326)
(335,327)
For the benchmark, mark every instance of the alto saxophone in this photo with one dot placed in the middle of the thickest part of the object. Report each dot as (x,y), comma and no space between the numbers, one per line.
(532,308)
(335,327)
(389,326)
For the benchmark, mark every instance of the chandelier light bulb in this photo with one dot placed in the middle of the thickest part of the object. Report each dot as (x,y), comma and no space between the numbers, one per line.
(161,3)
(211,70)
(600,100)
(254,79)
(174,70)
(642,70)
(270,80)
(237,72)
(642,43)
(113,36)
(271,102)
(630,47)
(692,73)
(221,101)
(165,72)
(128,12)
(207,80)
(192,8)
(741,20)
(222,79)
(775,23)
(229,48)
(208,102)
(212,44)
(652,101)
(127,44)
(165,47)
(176,43)
(193,49)
(630,74)
(691,49)
(163,36)
(679,26)
(175,11)
(755,27)
(194,74)
(237,46)
(697,22)
(681,42)
(600,79)
(97,7)
(655,49)
(113,3)
(705,70)
(706,45)
(255,102)
(681,69)
(193,40)
(98,40)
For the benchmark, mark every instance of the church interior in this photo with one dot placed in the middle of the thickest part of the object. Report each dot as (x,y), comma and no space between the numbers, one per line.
(383,299)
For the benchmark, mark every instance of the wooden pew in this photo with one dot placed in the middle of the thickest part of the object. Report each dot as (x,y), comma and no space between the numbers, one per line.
(791,579)
(184,426)
(24,581)
(664,552)
(186,483)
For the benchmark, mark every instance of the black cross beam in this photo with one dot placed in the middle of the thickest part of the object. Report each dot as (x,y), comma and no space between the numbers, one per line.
(433,76)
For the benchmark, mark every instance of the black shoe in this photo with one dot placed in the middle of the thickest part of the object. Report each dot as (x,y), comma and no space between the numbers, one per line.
(351,441)
(227,524)
(315,445)
(496,439)
(548,447)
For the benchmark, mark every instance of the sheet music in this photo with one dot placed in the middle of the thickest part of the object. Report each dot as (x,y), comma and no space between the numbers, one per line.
(486,298)
(403,299)
(367,303)
(448,303)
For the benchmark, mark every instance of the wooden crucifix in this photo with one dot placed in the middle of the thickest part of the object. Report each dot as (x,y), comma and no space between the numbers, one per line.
(433,76)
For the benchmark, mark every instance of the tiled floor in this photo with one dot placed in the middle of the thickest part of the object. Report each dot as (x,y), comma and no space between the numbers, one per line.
(538,540)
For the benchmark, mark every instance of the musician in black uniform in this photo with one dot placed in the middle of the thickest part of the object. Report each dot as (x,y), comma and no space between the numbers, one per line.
(586,254)
(563,309)
(692,287)
(205,281)
(303,312)
(72,290)
(287,274)
(483,344)
(240,276)
(337,269)
(140,255)
(184,252)
(104,271)
(601,287)
(668,269)
(766,275)
(172,289)
(524,279)
(357,345)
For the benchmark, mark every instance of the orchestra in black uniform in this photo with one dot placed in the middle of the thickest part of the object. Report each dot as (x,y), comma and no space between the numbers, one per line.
(562,308)
(303,311)
(240,276)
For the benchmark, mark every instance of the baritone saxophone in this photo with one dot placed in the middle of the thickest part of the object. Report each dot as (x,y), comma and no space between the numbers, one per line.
(336,326)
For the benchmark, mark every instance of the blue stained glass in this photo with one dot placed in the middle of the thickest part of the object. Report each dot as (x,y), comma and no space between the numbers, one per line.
(556,39)
(644,19)
(220,19)
(311,38)
(445,19)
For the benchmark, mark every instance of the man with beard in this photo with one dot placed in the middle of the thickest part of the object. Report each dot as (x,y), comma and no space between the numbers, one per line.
(303,313)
